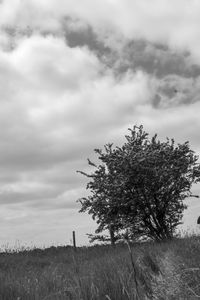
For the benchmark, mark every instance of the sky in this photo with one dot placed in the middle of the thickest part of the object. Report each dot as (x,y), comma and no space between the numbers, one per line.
(74,75)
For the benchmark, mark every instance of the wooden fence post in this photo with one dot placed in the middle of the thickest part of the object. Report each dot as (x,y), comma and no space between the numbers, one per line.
(74,239)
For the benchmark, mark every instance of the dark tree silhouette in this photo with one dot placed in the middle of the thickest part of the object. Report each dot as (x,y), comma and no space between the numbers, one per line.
(139,188)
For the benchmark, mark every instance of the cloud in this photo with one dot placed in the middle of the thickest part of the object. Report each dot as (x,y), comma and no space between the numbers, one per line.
(56,103)
(174,90)
(156,59)
(176,25)
(75,76)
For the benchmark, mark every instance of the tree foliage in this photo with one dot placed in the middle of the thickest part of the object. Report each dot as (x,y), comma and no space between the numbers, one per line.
(139,188)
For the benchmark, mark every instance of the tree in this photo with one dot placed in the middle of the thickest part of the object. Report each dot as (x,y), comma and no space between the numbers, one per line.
(104,198)
(139,187)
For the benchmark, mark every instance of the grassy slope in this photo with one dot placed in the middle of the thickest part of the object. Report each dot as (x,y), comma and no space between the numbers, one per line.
(169,270)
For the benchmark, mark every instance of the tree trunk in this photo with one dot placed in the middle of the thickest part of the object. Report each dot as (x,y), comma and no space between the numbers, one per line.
(112,235)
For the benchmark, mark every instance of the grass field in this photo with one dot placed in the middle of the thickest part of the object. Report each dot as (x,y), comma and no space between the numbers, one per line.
(169,270)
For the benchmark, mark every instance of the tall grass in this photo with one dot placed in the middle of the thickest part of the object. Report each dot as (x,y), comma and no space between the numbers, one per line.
(169,270)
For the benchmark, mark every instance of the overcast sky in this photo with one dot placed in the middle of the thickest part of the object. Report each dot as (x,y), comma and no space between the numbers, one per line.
(74,75)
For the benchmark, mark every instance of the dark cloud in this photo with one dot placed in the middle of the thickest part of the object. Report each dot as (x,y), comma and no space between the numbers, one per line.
(157,59)
(176,90)
(84,36)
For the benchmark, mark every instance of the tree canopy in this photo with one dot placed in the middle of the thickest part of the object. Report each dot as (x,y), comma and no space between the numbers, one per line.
(139,188)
